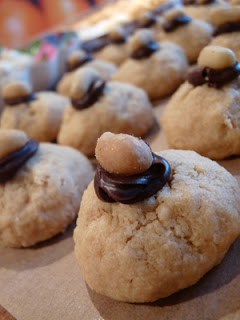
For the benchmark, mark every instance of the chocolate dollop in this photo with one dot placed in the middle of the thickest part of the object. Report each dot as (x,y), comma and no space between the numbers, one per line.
(79,63)
(131,189)
(177,22)
(145,51)
(214,78)
(10,164)
(227,28)
(91,96)
(18,100)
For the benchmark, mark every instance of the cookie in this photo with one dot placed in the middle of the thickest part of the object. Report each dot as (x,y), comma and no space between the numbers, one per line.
(110,47)
(227,28)
(41,186)
(158,68)
(191,34)
(201,10)
(99,106)
(39,114)
(148,250)
(79,59)
(232,316)
(203,115)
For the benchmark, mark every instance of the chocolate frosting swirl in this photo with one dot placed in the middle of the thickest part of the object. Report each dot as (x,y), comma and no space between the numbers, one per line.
(214,78)
(18,100)
(227,28)
(80,63)
(10,164)
(175,23)
(145,51)
(91,96)
(131,189)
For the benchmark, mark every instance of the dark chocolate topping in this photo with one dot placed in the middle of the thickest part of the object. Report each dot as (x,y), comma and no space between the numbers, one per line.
(131,189)
(10,164)
(145,51)
(91,96)
(177,22)
(214,78)
(227,28)
(79,63)
(18,100)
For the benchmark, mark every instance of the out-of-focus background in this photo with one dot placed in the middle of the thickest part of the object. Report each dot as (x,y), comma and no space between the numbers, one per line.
(21,20)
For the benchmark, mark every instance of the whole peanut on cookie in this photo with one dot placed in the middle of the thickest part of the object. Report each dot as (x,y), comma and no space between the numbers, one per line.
(123,154)
(216,57)
(16,89)
(141,38)
(84,78)
(11,140)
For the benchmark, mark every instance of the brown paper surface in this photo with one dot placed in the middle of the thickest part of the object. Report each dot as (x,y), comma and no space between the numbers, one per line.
(44,282)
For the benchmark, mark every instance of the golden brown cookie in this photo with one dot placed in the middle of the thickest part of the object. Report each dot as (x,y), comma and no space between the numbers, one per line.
(39,115)
(147,250)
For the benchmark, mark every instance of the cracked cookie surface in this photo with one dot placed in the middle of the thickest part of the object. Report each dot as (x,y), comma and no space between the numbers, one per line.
(153,248)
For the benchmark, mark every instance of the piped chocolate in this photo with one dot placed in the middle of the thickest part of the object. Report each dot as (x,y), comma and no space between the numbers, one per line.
(91,96)
(18,100)
(227,28)
(172,25)
(214,78)
(10,164)
(145,51)
(131,189)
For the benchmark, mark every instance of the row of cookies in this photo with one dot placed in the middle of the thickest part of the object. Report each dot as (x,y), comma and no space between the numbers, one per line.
(148,226)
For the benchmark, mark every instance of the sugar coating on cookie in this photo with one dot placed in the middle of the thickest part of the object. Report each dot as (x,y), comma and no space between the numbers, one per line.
(47,193)
(151,249)
(123,154)
(38,115)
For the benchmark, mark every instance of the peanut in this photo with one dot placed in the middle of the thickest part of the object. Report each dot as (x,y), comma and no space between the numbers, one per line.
(216,57)
(123,154)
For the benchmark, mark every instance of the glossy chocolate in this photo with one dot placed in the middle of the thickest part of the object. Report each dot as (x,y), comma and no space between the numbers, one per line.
(91,96)
(79,63)
(177,22)
(18,100)
(10,164)
(145,51)
(131,189)
(227,28)
(214,78)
